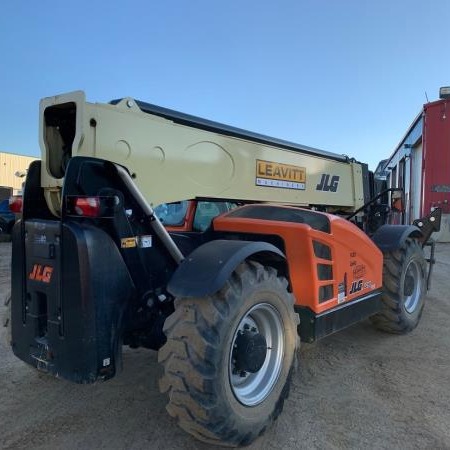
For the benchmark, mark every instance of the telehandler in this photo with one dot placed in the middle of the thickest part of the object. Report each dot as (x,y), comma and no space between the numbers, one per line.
(122,243)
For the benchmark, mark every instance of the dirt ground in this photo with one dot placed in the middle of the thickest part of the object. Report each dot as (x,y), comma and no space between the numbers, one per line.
(356,389)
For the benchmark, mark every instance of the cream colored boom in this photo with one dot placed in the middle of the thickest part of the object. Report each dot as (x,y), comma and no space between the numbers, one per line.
(173,158)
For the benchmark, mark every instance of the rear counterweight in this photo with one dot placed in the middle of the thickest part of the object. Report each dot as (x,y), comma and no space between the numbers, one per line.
(70,288)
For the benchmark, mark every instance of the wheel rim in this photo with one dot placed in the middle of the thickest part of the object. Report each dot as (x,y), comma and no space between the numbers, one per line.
(412,286)
(249,388)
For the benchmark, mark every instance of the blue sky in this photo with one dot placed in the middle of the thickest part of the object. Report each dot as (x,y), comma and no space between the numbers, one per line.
(344,76)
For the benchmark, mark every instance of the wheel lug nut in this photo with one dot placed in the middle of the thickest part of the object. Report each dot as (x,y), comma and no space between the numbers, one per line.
(254,329)
(246,326)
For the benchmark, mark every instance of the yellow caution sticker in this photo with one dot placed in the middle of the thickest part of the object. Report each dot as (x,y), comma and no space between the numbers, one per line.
(273,174)
(128,242)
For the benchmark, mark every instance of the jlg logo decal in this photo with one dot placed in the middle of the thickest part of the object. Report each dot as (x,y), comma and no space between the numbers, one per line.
(41,273)
(359,285)
(356,286)
(328,183)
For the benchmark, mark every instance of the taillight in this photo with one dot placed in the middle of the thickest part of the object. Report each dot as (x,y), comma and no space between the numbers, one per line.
(87,207)
(91,206)
(15,204)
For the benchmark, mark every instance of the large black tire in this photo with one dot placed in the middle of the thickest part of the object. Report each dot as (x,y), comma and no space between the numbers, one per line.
(210,394)
(404,289)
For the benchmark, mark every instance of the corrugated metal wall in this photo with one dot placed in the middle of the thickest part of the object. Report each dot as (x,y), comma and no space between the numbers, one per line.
(9,165)
(436,160)
(424,153)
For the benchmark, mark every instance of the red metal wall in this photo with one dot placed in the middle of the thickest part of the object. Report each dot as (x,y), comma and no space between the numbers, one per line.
(436,156)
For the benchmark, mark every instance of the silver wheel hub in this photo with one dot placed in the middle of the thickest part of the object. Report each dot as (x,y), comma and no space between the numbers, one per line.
(412,287)
(256,354)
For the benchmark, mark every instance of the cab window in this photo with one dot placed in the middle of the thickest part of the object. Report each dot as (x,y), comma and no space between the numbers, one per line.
(172,214)
(206,211)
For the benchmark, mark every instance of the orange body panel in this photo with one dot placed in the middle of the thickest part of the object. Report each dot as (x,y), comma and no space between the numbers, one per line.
(353,263)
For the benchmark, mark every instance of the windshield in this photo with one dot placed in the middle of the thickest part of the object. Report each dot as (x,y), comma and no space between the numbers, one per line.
(172,214)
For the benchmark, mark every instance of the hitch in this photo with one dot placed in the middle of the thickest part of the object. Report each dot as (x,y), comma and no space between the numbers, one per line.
(431,261)
(428,225)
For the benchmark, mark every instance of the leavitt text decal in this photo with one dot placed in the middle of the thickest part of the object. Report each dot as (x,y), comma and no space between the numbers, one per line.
(279,175)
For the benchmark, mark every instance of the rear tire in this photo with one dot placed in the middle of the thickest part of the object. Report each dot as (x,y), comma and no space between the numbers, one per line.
(217,392)
(404,289)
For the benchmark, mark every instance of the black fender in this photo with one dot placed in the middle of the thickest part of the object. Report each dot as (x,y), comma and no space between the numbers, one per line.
(392,237)
(207,268)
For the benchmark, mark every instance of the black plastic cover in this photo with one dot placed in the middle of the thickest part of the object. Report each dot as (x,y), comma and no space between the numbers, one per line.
(391,237)
(316,326)
(207,268)
(69,291)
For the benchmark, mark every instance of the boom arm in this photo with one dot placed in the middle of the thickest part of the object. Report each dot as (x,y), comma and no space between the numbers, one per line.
(172,156)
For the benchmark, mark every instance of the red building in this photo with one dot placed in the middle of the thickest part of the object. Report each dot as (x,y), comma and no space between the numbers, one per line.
(421,164)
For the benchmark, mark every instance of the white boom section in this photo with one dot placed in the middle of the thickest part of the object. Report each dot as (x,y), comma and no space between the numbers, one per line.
(172,161)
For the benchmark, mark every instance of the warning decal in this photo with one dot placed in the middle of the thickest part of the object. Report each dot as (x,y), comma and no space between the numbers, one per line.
(129,242)
(278,175)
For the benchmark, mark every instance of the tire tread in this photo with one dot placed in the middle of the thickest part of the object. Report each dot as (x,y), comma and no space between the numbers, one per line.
(392,318)
(190,354)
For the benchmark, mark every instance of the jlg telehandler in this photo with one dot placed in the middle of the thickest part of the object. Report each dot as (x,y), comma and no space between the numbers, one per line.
(222,298)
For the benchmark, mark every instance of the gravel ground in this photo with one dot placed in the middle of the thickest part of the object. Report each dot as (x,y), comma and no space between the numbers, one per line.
(357,389)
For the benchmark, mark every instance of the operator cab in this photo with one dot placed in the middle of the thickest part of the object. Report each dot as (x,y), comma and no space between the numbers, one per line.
(191,215)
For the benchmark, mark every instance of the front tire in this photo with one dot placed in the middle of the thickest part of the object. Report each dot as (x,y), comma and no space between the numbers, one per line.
(229,357)
(404,289)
